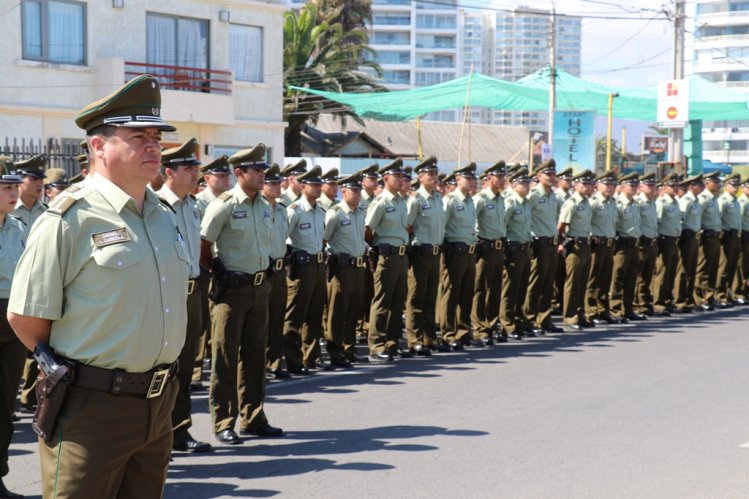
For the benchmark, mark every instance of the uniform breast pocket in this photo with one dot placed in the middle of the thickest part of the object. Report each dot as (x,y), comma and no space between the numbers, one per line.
(117,257)
(239,224)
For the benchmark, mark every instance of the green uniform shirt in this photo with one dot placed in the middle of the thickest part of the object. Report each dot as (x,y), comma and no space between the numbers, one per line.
(518,216)
(669,216)
(576,213)
(203,199)
(691,212)
(628,222)
(563,196)
(344,230)
(490,214)
(366,200)
(460,218)
(387,217)
(279,231)
(544,212)
(648,216)
(188,223)
(325,202)
(29,216)
(730,212)
(306,225)
(426,216)
(13,234)
(240,228)
(114,282)
(604,215)
(288,198)
(744,203)
(710,211)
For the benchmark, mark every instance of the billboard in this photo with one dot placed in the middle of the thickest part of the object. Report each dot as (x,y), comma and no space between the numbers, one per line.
(574,140)
(673,103)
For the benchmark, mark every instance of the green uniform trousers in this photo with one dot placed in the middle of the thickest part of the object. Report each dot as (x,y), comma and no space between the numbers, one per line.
(643,289)
(741,283)
(276,314)
(345,292)
(514,286)
(107,445)
(626,266)
(490,268)
(305,300)
(686,272)
(30,371)
(240,336)
(577,263)
(708,261)
(456,298)
(362,324)
(421,300)
(385,313)
(181,419)
(599,279)
(665,274)
(729,260)
(543,271)
(204,342)
(12,356)
(559,279)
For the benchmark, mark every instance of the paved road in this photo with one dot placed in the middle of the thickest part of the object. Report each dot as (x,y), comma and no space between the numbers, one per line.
(659,409)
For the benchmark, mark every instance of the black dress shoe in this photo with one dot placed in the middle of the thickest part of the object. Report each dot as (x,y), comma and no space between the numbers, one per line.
(279,373)
(574,327)
(189,444)
(7,494)
(516,335)
(665,313)
(440,348)
(740,301)
(265,431)
(704,308)
(682,310)
(354,357)
(197,387)
(586,323)
(482,342)
(228,437)
(420,350)
(724,304)
(551,328)
(381,357)
(299,371)
(530,334)
(403,354)
(635,317)
(455,346)
(342,364)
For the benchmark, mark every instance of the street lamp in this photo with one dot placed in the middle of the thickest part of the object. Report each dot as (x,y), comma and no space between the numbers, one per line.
(612,96)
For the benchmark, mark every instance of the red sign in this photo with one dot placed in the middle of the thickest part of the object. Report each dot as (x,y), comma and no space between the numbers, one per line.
(672,113)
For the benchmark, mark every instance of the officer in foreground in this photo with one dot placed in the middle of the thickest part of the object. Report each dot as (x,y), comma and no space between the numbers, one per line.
(110,309)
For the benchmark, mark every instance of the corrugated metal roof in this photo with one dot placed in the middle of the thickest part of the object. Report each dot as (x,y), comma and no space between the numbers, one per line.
(481,143)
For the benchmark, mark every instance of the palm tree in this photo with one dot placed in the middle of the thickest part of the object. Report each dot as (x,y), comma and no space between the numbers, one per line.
(320,54)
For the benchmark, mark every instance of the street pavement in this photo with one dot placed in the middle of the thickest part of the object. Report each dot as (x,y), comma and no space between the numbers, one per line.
(658,409)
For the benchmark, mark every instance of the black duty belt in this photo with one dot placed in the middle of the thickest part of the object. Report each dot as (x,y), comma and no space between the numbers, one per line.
(149,384)
(604,241)
(745,234)
(709,234)
(345,260)
(582,241)
(547,241)
(668,239)
(389,249)
(648,241)
(689,234)
(428,249)
(515,246)
(191,285)
(495,244)
(730,233)
(277,263)
(243,278)
(458,248)
(625,242)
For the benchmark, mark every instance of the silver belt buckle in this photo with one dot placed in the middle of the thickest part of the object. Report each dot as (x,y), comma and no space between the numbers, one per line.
(158,383)
(435,249)
(259,278)
(401,250)
(471,249)
(320,257)
(360,261)
(190,286)
(279,264)
(498,244)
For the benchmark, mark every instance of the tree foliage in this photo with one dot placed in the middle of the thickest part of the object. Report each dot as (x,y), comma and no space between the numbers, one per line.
(320,53)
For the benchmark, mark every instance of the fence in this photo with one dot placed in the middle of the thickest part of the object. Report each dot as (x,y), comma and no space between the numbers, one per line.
(61,153)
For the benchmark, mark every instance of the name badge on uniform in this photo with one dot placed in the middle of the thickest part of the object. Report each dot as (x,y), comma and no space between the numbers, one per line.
(345,222)
(518,211)
(389,209)
(541,200)
(106,238)
(460,207)
(239,214)
(305,226)
(490,206)
(581,207)
(426,206)
(670,209)
(601,207)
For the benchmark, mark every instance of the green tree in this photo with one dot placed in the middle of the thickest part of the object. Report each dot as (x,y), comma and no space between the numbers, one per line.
(320,54)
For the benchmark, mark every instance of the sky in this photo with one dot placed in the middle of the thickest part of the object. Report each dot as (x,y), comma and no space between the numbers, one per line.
(627,43)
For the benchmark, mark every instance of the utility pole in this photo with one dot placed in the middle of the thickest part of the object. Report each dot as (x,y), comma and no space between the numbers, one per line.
(677,134)
(552,75)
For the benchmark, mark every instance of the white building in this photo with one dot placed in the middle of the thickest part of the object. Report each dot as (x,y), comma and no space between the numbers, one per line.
(720,53)
(218,63)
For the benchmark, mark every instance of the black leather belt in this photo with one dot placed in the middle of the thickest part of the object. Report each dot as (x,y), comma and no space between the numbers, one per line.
(689,234)
(428,249)
(604,241)
(149,384)
(730,233)
(277,263)
(243,278)
(668,239)
(495,244)
(345,260)
(547,241)
(515,246)
(709,234)
(583,241)
(459,248)
(625,242)
(648,241)
(389,249)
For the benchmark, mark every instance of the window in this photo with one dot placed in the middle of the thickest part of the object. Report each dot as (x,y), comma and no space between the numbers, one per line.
(392,19)
(396,77)
(177,41)
(391,57)
(54,31)
(388,38)
(246,52)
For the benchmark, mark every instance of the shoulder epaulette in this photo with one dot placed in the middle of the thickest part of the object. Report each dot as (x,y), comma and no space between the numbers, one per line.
(66,199)
(17,218)
(224,196)
(192,196)
(166,203)
(44,204)
(281,203)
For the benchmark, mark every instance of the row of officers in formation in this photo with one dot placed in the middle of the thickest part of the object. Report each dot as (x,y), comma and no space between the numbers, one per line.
(262,276)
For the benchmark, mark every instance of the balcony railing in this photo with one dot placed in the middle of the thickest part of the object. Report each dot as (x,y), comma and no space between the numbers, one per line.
(184,78)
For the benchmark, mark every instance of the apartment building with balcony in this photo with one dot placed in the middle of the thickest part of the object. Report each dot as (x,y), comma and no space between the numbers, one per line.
(719,52)
(218,63)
